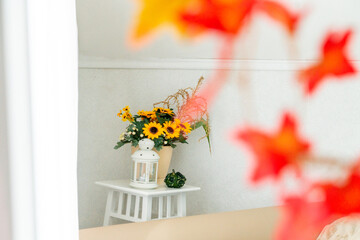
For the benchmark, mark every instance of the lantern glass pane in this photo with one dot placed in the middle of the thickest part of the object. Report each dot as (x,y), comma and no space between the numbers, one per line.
(152,177)
(133,170)
(141,172)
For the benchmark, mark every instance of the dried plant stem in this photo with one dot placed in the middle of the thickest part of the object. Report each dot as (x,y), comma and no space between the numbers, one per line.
(190,107)
(180,97)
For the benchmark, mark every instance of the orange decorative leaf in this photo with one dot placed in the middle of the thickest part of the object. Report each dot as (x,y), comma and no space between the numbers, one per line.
(192,110)
(226,16)
(301,219)
(344,199)
(274,151)
(334,62)
(158,13)
(191,17)
(280,13)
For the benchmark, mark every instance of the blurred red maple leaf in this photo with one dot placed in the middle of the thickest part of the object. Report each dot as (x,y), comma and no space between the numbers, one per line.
(280,13)
(226,16)
(343,199)
(274,151)
(230,16)
(334,62)
(301,219)
(304,219)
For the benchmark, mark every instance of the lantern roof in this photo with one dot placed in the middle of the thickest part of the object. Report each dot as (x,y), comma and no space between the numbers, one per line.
(145,152)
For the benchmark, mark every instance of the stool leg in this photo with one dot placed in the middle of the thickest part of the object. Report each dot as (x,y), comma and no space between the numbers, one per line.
(168,206)
(109,208)
(136,211)
(160,208)
(120,203)
(128,205)
(181,205)
(146,208)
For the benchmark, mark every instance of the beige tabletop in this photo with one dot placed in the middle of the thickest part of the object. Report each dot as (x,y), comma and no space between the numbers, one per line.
(253,224)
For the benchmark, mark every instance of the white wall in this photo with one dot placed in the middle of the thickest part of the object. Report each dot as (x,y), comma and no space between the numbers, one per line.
(112,76)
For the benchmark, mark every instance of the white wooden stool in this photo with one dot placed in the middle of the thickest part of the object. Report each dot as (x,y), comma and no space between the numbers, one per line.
(138,205)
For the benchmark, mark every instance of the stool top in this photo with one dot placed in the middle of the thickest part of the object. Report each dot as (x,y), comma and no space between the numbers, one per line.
(123,185)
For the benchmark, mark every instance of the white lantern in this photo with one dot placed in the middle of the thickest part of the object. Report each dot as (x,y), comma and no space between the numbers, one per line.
(144,166)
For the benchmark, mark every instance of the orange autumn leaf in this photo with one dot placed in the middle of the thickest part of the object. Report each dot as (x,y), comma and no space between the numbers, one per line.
(343,199)
(304,216)
(301,219)
(226,16)
(192,17)
(154,14)
(274,151)
(334,62)
(280,13)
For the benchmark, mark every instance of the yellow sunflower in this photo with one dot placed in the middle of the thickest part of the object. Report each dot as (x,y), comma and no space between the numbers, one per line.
(124,118)
(119,114)
(126,109)
(171,130)
(143,114)
(153,130)
(185,126)
(151,115)
(127,116)
(160,109)
(168,111)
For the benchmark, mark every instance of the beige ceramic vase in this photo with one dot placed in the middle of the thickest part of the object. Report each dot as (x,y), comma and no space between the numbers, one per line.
(164,162)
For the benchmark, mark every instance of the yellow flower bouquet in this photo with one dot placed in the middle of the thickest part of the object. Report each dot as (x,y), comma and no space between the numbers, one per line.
(161,124)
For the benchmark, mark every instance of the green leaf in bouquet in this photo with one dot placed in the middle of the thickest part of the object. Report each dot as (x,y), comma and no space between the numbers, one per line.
(182,139)
(204,124)
(134,142)
(119,144)
(158,147)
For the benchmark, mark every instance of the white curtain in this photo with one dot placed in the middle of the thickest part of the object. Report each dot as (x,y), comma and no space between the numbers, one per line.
(40,65)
